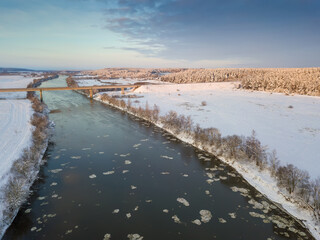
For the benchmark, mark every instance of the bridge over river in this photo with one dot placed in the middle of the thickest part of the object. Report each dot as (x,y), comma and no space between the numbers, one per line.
(90,88)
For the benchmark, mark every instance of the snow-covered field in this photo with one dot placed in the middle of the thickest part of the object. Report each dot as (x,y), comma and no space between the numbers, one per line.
(118,81)
(288,124)
(14,81)
(15,128)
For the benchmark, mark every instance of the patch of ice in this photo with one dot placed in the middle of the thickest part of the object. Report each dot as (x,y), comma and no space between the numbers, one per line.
(125,155)
(107,236)
(92,176)
(76,157)
(197,222)
(125,171)
(176,219)
(165,173)
(165,210)
(221,220)
(167,157)
(28,210)
(127,162)
(133,187)
(116,211)
(183,201)
(205,215)
(134,236)
(128,215)
(108,173)
(136,145)
(56,170)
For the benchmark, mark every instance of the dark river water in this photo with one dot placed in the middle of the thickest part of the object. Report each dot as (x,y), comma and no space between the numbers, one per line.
(107,172)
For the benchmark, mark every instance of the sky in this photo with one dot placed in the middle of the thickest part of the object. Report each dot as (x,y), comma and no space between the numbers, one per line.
(94,34)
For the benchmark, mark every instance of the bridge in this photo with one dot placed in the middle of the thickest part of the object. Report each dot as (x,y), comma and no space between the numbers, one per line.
(90,88)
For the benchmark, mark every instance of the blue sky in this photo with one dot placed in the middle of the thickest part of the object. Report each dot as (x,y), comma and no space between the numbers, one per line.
(90,34)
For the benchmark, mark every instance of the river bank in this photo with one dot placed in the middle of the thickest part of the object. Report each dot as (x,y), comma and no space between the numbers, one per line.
(24,140)
(261,180)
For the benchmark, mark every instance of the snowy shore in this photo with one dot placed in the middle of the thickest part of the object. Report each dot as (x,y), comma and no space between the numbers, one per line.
(15,136)
(282,122)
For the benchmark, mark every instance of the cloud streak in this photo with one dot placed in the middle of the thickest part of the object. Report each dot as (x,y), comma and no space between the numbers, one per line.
(216,29)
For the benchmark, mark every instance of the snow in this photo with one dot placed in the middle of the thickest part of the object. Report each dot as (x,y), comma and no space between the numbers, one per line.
(118,81)
(289,124)
(293,132)
(14,81)
(15,128)
(88,82)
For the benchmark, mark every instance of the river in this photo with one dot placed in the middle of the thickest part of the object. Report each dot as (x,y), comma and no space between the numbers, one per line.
(107,172)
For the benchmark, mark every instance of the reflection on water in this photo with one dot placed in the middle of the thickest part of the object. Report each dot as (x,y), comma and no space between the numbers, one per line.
(108,174)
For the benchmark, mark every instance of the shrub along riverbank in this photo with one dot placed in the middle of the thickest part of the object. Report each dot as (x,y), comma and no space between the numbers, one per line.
(24,170)
(284,184)
(246,154)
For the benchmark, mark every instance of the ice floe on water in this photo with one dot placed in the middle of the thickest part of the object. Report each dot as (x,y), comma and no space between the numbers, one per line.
(76,157)
(210,175)
(41,198)
(107,236)
(257,215)
(136,145)
(196,221)
(134,236)
(54,196)
(232,215)
(148,201)
(101,152)
(243,191)
(125,171)
(165,173)
(205,215)
(185,175)
(53,184)
(128,215)
(125,155)
(144,140)
(68,231)
(56,170)
(207,192)
(85,149)
(108,173)
(92,176)
(127,162)
(183,201)
(231,174)
(209,181)
(165,210)
(133,187)
(176,219)
(221,220)
(28,210)
(136,208)
(167,157)
(115,211)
